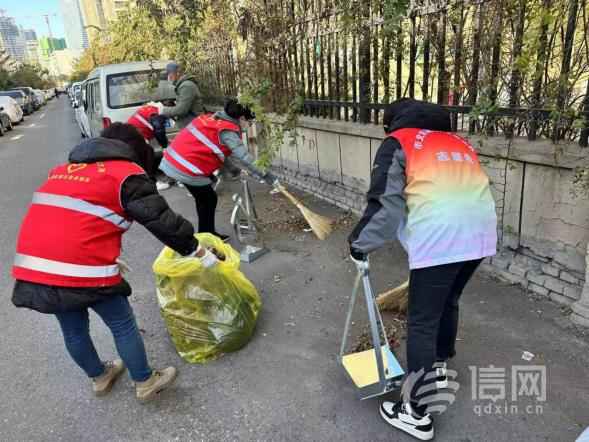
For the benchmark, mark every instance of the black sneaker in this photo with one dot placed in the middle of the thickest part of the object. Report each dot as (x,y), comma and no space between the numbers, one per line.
(441,374)
(400,416)
(224,238)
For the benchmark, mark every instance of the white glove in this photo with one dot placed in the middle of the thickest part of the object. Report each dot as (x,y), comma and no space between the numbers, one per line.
(207,259)
(360,264)
(160,106)
(124,268)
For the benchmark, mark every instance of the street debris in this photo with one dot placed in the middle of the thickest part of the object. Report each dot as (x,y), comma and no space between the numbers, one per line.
(527,356)
(395,327)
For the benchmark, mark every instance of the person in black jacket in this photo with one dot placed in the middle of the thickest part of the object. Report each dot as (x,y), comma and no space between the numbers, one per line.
(142,203)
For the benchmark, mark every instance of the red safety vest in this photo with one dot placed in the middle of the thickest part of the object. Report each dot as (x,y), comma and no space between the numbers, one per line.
(140,120)
(197,150)
(71,234)
(451,212)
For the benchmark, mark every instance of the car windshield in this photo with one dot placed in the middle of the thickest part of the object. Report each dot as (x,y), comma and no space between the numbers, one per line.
(136,88)
(16,94)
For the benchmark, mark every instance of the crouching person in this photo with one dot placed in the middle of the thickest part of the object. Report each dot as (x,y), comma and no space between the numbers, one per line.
(427,187)
(152,125)
(201,149)
(68,249)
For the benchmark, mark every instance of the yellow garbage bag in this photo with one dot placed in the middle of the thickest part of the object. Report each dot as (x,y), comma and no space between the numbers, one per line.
(208,312)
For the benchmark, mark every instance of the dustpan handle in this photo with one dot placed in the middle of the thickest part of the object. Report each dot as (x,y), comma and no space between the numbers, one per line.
(349,315)
(381,322)
(372,316)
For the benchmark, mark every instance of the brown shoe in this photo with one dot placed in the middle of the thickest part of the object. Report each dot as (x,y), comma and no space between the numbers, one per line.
(102,384)
(158,381)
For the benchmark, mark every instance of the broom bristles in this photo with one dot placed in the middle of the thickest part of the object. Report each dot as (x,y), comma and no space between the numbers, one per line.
(396,299)
(320,225)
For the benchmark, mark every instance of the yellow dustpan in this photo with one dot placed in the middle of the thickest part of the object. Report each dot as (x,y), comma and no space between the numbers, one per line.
(373,373)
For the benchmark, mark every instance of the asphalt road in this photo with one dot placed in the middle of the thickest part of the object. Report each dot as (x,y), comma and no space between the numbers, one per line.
(286,385)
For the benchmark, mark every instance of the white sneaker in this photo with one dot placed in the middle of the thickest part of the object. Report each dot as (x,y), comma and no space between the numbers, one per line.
(160,185)
(441,368)
(400,415)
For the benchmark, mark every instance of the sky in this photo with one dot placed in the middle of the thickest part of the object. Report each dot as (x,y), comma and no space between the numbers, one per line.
(28,13)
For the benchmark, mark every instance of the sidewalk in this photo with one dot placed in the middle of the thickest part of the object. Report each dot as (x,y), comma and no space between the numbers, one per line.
(287,385)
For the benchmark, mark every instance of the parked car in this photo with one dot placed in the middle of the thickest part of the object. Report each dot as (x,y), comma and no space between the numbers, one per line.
(38,98)
(115,92)
(9,106)
(31,95)
(80,113)
(21,99)
(5,122)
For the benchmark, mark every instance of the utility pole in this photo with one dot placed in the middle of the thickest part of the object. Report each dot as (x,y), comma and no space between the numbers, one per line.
(46,16)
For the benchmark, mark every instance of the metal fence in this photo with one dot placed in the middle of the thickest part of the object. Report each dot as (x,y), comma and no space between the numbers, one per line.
(518,68)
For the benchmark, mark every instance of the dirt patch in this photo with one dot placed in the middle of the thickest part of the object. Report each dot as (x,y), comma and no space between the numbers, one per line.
(281,216)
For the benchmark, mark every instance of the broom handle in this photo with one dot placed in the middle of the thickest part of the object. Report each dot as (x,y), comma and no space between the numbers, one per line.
(291,197)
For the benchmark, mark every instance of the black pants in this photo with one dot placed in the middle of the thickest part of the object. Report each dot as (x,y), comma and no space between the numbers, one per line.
(432,321)
(206,205)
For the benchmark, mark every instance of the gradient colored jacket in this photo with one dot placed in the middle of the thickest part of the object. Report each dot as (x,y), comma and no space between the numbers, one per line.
(428,190)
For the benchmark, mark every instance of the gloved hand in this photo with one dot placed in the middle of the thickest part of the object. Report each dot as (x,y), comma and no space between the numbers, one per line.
(271,179)
(124,268)
(359,258)
(157,104)
(207,259)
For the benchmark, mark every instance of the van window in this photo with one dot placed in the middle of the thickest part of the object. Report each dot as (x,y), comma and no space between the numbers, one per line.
(96,93)
(89,98)
(136,88)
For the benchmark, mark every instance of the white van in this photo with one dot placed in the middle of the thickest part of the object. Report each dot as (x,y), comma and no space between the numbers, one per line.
(81,117)
(114,92)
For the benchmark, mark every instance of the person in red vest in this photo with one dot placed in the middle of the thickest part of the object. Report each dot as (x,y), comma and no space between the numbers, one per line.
(152,125)
(201,148)
(428,188)
(69,244)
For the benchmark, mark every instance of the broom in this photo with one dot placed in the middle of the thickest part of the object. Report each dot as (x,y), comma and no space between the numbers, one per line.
(395,299)
(320,225)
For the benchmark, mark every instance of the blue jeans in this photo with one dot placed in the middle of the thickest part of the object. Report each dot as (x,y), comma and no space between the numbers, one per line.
(117,314)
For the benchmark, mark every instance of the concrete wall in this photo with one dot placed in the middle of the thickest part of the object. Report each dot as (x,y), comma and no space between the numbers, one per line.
(543,228)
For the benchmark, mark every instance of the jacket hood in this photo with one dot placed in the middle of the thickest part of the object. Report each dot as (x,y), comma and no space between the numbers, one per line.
(185,77)
(408,113)
(102,149)
(222,115)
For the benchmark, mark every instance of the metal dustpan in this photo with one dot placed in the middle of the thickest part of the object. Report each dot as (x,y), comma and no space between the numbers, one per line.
(373,372)
(244,220)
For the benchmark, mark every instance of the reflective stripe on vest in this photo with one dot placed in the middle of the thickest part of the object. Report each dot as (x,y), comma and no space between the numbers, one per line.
(144,121)
(64,268)
(67,202)
(195,170)
(203,139)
